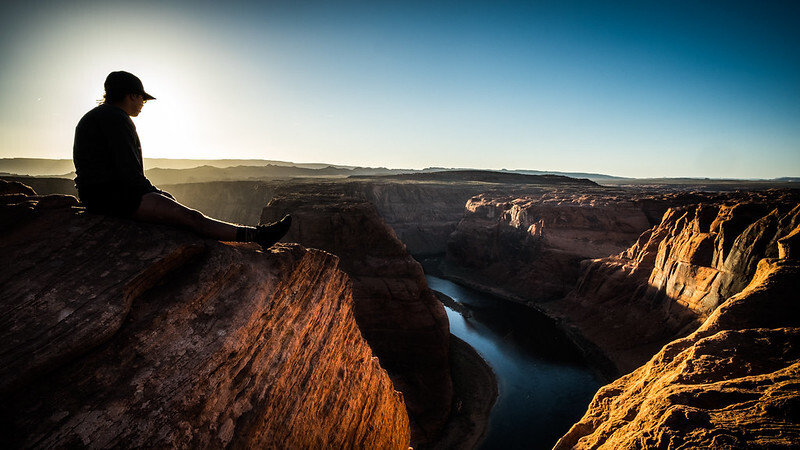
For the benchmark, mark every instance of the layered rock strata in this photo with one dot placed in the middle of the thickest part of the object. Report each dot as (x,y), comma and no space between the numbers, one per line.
(119,334)
(233,201)
(733,383)
(398,315)
(677,273)
(531,246)
(422,215)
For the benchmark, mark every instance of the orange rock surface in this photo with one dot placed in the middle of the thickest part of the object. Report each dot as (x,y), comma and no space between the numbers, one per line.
(531,246)
(676,274)
(734,383)
(114,333)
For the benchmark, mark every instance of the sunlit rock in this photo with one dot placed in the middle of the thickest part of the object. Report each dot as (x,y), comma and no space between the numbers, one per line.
(677,273)
(733,383)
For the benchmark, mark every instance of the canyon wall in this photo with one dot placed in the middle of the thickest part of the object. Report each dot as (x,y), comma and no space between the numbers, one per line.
(399,317)
(710,290)
(122,334)
(232,201)
(677,273)
(733,383)
(529,247)
(422,215)
(423,211)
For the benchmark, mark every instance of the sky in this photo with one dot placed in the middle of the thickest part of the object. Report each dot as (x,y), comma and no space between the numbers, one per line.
(626,88)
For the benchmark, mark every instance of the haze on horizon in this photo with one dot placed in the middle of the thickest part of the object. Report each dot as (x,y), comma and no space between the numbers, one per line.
(637,89)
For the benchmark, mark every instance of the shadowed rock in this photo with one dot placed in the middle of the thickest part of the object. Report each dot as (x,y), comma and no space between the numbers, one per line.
(531,246)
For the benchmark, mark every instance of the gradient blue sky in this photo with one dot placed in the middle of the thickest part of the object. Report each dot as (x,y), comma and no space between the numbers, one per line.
(643,89)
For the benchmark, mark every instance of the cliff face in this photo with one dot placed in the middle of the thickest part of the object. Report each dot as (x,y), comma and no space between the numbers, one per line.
(115,333)
(532,245)
(422,215)
(403,322)
(677,273)
(232,201)
(733,383)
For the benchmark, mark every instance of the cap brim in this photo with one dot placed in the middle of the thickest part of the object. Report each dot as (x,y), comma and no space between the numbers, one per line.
(147,96)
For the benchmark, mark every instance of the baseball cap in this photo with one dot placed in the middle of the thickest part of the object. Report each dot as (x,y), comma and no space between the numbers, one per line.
(122,82)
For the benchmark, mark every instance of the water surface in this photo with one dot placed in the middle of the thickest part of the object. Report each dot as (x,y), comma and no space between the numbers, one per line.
(544,384)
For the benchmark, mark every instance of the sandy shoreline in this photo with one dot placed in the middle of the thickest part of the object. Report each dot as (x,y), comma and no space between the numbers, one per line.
(474,395)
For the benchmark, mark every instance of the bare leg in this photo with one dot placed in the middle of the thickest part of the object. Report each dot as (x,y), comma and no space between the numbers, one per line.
(157,208)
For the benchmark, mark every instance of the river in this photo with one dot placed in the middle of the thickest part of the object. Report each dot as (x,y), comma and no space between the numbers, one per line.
(543,382)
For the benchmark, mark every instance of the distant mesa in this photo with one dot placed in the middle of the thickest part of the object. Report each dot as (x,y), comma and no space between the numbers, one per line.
(485,176)
(171,171)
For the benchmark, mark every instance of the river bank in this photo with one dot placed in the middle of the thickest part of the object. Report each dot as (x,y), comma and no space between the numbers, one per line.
(598,360)
(543,383)
(474,395)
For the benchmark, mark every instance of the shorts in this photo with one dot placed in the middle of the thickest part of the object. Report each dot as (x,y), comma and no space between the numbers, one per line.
(113,200)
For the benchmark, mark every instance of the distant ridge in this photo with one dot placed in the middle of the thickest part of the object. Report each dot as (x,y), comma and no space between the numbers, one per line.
(200,170)
(486,176)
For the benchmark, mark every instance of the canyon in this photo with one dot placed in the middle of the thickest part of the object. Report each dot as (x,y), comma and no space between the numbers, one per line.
(682,299)
(626,271)
(404,324)
(699,314)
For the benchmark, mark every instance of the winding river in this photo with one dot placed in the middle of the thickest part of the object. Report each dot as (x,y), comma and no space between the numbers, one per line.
(544,384)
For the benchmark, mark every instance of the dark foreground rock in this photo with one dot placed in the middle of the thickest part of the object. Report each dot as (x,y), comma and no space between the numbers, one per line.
(119,334)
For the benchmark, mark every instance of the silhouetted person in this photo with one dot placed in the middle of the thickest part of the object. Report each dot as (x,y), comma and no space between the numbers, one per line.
(110,175)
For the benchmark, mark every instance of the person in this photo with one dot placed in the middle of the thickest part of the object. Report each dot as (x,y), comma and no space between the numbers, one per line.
(110,175)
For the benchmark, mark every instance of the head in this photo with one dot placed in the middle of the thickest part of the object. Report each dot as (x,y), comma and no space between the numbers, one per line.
(125,90)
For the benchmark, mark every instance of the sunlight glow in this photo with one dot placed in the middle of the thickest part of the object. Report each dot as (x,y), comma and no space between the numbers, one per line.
(537,87)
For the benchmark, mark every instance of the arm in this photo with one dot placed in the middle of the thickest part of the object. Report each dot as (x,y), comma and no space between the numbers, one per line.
(126,153)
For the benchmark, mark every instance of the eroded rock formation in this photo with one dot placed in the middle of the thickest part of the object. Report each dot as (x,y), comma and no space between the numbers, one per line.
(403,322)
(233,201)
(116,333)
(733,383)
(677,273)
(422,215)
(531,246)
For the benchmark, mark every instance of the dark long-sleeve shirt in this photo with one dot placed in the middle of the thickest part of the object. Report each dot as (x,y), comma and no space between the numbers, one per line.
(107,152)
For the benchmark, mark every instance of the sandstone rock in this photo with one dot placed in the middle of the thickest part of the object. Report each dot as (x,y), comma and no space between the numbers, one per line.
(733,383)
(789,244)
(676,274)
(114,333)
(399,317)
(233,201)
(422,215)
(532,246)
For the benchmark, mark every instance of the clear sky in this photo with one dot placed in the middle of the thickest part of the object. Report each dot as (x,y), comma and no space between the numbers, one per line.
(634,88)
